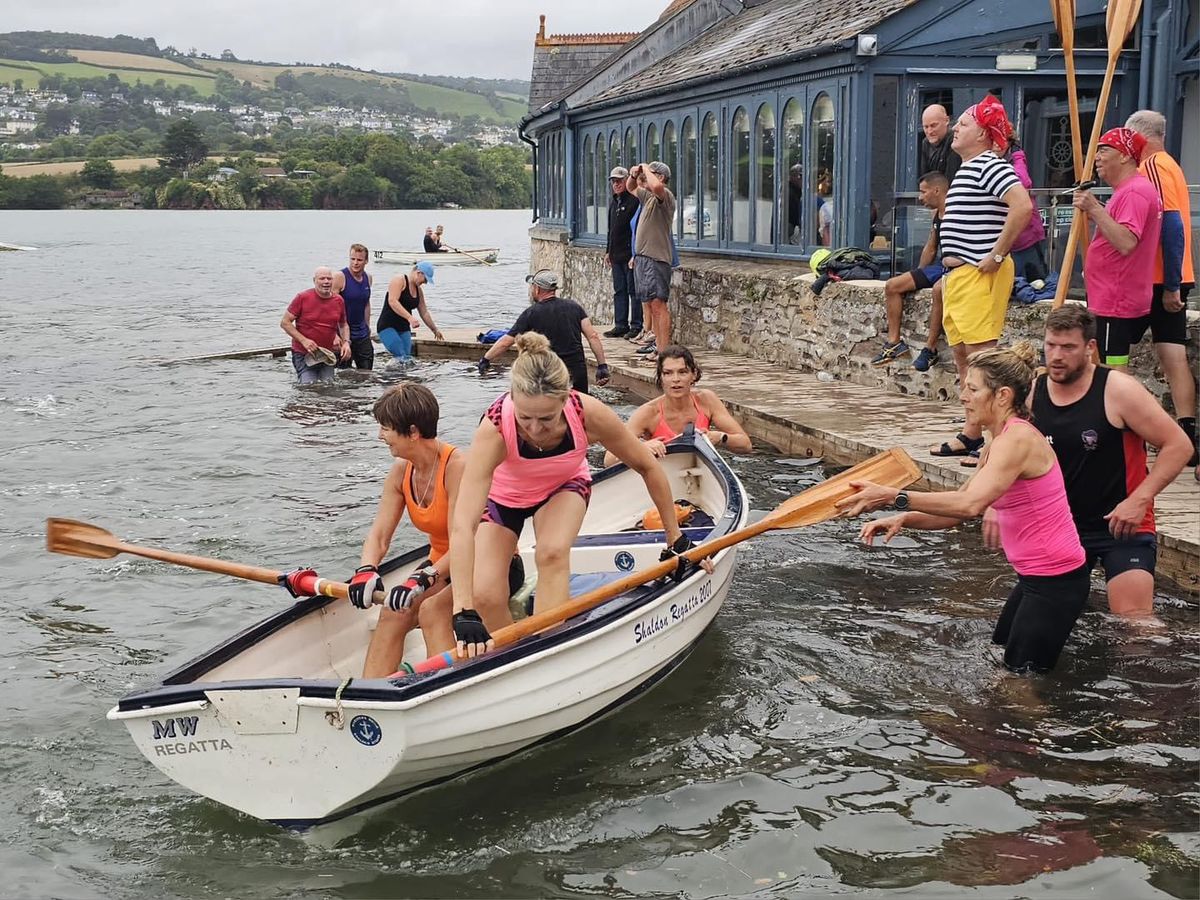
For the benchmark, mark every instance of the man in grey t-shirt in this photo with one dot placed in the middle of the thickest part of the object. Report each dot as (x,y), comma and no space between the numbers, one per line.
(652,248)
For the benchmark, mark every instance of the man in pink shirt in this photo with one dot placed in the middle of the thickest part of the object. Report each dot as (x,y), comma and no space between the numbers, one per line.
(1119,270)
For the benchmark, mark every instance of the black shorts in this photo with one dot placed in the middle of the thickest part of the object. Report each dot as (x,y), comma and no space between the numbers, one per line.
(1115,337)
(926,277)
(513,517)
(1038,617)
(651,279)
(1118,556)
(1166,327)
(362,354)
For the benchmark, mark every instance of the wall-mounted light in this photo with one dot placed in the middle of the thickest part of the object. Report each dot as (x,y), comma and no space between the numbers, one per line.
(1016,62)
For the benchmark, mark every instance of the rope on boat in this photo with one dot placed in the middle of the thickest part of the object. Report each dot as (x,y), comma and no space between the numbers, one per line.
(337,717)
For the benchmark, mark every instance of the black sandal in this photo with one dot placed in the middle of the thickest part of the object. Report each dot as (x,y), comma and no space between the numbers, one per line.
(969,445)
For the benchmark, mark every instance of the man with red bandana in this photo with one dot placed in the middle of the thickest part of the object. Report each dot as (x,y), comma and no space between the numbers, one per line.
(986,209)
(1119,271)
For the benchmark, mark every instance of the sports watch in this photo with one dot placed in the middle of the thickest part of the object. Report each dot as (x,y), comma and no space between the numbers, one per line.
(901,501)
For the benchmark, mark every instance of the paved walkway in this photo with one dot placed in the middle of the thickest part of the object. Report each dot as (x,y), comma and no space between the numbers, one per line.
(802,415)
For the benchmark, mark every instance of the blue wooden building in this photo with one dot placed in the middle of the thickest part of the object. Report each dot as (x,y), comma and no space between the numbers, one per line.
(794,123)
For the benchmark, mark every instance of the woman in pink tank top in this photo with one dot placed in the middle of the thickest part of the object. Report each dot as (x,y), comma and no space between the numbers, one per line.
(661,420)
(1020,487)
(528,460)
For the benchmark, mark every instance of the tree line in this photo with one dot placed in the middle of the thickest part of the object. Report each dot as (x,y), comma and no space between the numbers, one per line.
(335,171)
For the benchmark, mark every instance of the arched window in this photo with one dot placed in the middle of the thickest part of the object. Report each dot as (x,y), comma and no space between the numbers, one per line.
(587,184)
(652,143)
(792,202)
(687,179)
(603,190)
(821,145)
(739,162)
(670,151)
(710,208)
(614,149)
(764,169)
(630,147)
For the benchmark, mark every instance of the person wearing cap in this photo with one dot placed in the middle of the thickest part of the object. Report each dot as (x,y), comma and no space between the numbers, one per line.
(1118,273)
(430,242)
(1174,277)
(652,246)
(398,318)
(618,253)
(986,209)
(316,322)
(564,323)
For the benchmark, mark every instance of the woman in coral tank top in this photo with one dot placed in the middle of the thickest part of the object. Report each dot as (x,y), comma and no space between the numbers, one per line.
(1020,482)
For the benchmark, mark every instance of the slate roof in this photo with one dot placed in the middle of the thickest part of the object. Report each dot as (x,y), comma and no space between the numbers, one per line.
(757,37)
(560,60)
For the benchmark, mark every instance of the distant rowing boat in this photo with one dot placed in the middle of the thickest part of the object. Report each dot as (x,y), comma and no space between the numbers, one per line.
(4,246)
(468,257)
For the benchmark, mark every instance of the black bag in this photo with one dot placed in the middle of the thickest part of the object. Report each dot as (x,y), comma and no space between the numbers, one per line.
(846,264)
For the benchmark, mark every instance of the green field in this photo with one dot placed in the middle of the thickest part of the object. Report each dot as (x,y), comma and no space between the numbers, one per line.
(31,71)
(462,103)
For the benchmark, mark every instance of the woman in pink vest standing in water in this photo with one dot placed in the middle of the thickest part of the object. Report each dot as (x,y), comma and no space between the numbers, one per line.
(1020,481)
(528,460)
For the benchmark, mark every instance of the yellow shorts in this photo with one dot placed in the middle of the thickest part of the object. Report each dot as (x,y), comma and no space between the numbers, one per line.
(974,304)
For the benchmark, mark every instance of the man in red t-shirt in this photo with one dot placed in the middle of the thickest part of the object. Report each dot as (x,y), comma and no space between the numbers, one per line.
(1119,270)
(316,319)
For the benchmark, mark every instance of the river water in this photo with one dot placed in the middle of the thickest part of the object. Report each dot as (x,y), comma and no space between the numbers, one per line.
(842,729)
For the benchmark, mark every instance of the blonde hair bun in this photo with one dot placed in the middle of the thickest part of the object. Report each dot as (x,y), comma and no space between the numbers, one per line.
(532,342)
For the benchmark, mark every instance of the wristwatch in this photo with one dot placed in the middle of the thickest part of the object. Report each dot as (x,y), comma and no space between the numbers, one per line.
(901,501)
(724,437)
(997,258)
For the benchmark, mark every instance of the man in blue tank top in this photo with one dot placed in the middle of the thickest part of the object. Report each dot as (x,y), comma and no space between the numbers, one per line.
(354,284)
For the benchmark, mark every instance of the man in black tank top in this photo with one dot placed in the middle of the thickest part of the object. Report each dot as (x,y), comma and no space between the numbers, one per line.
(1099,421)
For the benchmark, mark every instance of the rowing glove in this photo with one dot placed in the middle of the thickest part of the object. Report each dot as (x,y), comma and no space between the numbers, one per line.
(363,585)
(291,581)
(602,375)
(469,628)
(483,365)
(681,546)
(405,594)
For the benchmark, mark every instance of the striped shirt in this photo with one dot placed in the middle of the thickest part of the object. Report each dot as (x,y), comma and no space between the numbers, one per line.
(975,212)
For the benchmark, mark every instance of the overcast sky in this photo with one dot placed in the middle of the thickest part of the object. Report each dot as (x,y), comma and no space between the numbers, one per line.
(486,38)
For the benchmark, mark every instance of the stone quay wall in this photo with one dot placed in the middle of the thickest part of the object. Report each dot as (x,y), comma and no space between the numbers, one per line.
(767,310)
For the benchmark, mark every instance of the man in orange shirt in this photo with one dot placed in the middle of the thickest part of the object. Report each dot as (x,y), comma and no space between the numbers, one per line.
(1173,274)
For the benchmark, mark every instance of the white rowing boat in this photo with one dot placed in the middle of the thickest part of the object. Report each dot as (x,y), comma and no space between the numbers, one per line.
(468,257)
(274,722)
(4,246)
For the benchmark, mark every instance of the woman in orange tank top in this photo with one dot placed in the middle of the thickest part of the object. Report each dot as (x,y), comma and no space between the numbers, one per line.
(658,421)
(424,481)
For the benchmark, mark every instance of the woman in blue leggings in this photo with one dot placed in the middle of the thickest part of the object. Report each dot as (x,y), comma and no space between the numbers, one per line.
(405,300)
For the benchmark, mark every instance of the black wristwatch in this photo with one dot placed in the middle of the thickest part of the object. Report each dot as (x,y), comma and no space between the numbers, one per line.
(901,501)
(724,437)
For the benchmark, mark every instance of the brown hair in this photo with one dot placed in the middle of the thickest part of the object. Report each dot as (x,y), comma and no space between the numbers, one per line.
(360,248)
(406,405)
(1072,316)
(538,372)
(1011,368)
(676,351)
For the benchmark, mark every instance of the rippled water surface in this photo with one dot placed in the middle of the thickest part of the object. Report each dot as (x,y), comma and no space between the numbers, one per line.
(841,729)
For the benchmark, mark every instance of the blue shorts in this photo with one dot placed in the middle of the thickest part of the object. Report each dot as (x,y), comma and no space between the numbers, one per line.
(1119,556)
(310,374)
(398,343)
(928,276)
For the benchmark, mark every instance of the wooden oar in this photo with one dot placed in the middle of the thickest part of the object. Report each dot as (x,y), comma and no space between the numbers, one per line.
(75,538)
(1122,16)
(1064,21)
(486,262)
(232,354)
(894,468)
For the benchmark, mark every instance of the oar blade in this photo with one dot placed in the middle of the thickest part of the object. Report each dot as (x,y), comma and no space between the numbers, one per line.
(1120,18)
(75,538)
(893,468)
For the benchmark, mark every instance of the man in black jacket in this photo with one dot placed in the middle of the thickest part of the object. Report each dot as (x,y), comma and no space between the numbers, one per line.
(936,154)
(618,253)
